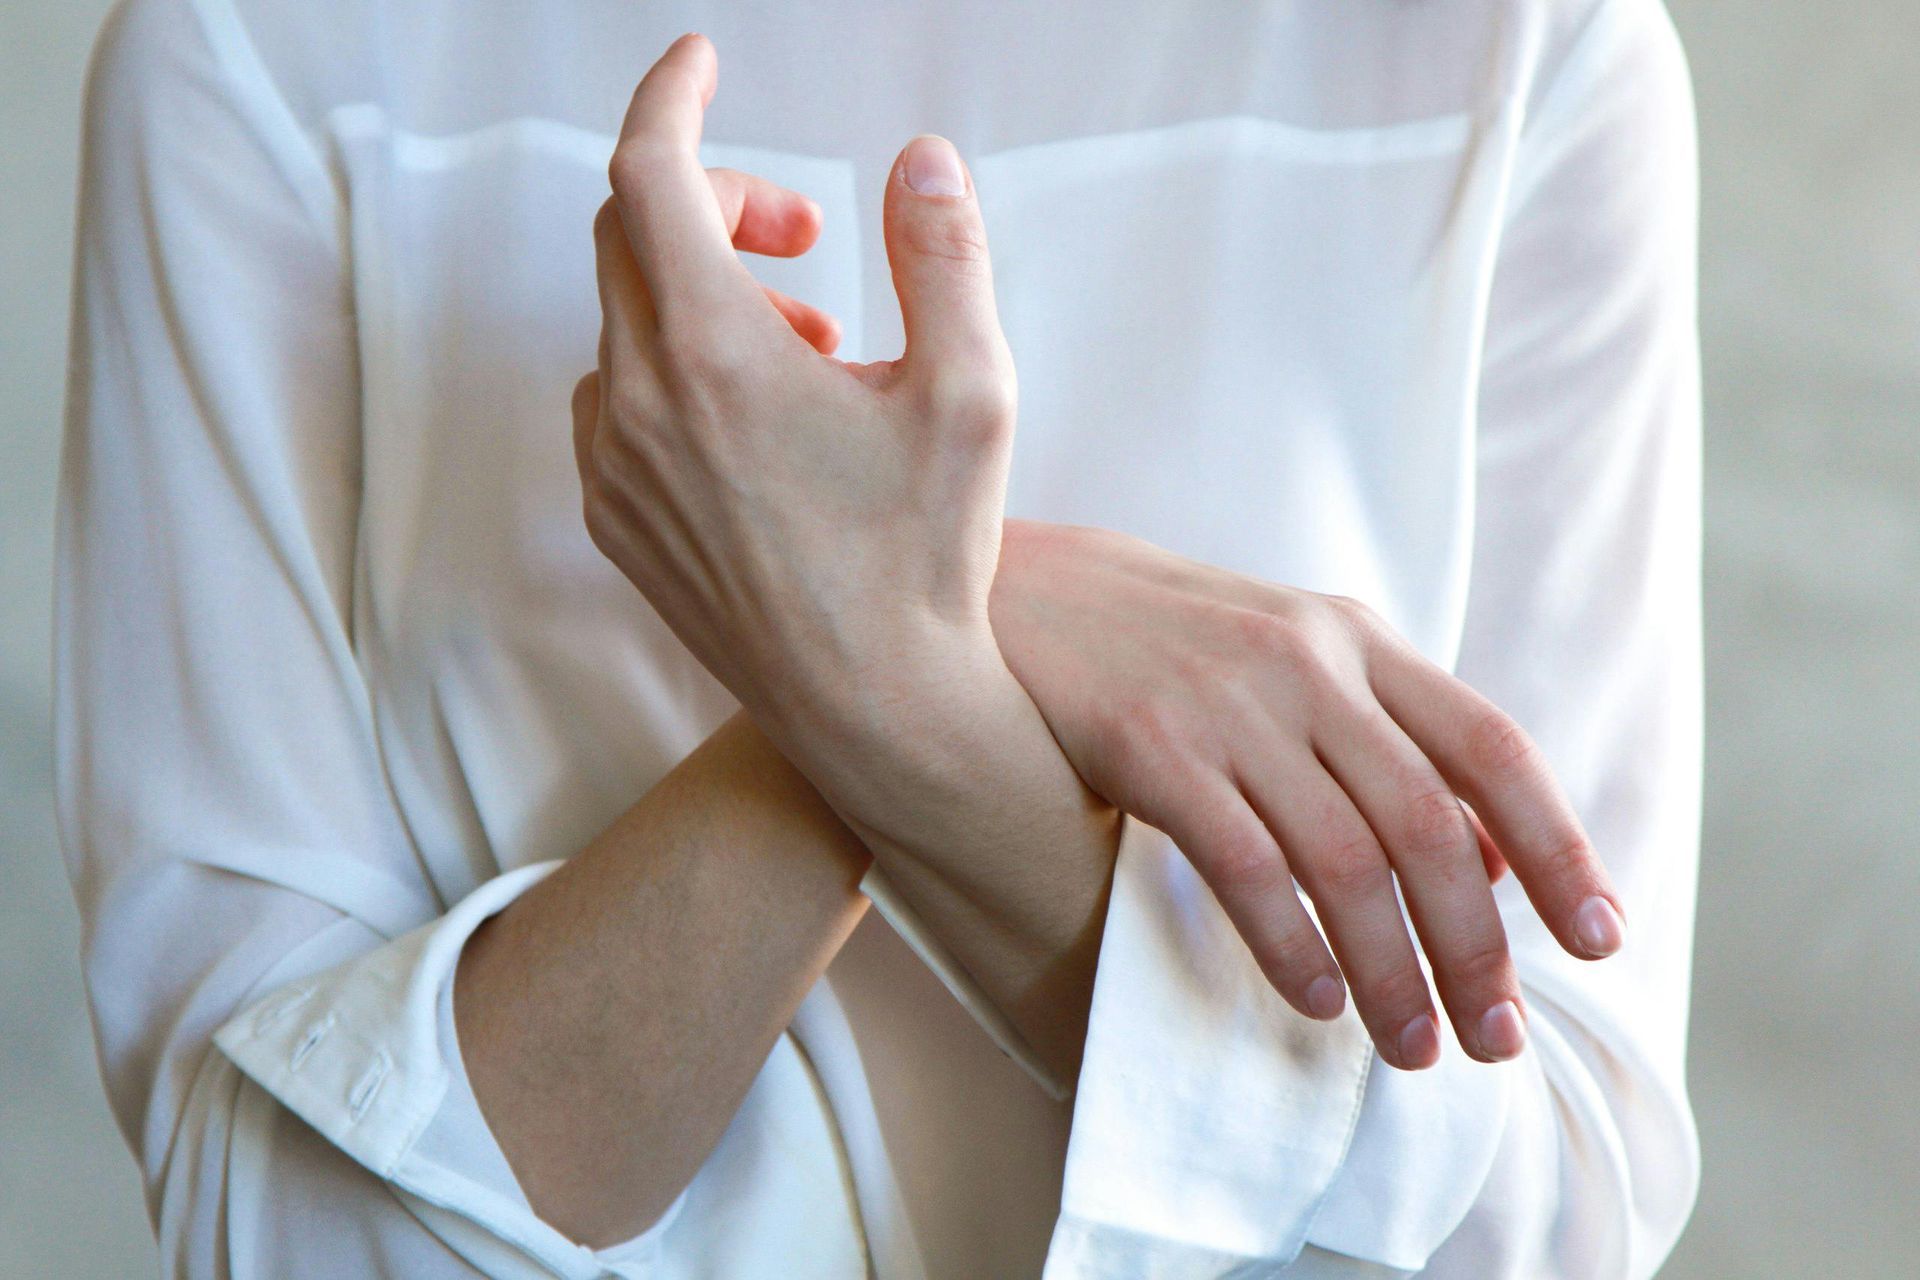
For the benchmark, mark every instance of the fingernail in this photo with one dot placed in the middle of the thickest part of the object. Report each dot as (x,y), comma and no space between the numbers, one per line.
(933,167)
(1419,1041)
(1502,1034)
(1599,927)
(1325,997)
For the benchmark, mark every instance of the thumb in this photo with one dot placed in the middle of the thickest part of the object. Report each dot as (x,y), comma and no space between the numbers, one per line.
(937,248)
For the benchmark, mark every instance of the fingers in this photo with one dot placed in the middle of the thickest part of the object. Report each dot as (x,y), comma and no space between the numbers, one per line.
(682,224)
(1337,859)
(937,248)
(1489,852)
(762,216)
(1431,844)
(1490,760)
(680,240)
(765,217)
(820,329)
(1236,855)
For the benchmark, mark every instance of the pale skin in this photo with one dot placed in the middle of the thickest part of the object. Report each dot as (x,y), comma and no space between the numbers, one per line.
(965,700)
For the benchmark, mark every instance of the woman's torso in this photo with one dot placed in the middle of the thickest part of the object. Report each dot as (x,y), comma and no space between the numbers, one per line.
(1240,252)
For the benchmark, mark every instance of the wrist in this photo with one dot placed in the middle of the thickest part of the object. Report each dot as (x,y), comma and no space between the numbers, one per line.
(1022,543)
(891,709)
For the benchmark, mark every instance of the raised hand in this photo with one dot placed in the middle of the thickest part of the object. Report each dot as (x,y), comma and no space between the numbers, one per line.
(800,522)
(1280,736)
(823,536)
(766,218)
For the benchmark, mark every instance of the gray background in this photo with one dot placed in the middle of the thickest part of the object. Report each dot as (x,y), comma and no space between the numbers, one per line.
(1807,994)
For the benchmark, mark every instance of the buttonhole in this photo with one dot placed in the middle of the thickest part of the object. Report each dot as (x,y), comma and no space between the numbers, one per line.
(369,1084)
(278,1009)
(315,1034)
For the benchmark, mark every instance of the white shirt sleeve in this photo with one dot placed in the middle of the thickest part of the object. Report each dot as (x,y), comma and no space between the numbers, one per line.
(1580,1158)
(1215,1131)
(960,984)
(243,874)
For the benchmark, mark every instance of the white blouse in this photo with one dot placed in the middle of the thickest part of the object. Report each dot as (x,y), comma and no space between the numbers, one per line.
(1390,299)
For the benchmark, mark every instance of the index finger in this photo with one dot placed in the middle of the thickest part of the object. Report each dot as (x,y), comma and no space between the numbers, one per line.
(1486,757)
(666,200)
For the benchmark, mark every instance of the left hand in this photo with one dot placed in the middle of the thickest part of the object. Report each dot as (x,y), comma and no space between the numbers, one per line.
(1278,735)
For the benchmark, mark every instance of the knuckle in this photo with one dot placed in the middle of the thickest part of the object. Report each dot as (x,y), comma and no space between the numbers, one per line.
(1481,966)
(1353,870)
(1357,613)
(1570,858)
(1400,992)
(1498,745)
(1296,953)
(608,229)
(636,162)
(1212,678)
(586,396)
(1363,626)
(1282,640)
(1241,865)
(1435,827)
(598,519)
(1146,734)
(961,240)
(1275,636)
(1314,658)
(976,405)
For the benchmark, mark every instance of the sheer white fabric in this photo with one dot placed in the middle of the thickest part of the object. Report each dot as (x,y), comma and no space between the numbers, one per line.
(1391,300)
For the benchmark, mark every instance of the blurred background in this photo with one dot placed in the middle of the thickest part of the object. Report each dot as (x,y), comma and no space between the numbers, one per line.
(1807,987)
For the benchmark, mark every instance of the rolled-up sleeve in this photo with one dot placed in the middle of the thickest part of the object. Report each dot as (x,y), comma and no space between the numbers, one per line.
(266,960)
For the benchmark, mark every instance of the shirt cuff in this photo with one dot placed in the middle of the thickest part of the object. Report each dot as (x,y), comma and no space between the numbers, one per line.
(366,1053)
(1211,1118)
(1421,1153)
(906,922)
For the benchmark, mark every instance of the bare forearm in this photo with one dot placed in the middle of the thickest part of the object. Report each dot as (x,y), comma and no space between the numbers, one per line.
(951,777)
(614,1016)
(821,536)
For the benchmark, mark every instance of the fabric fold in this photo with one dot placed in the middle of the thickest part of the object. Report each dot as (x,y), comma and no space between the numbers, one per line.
(1183,1020)
(357,1052)
(953,975)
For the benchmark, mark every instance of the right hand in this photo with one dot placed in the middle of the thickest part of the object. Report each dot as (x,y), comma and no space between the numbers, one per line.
(1280,735)
(821,535)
